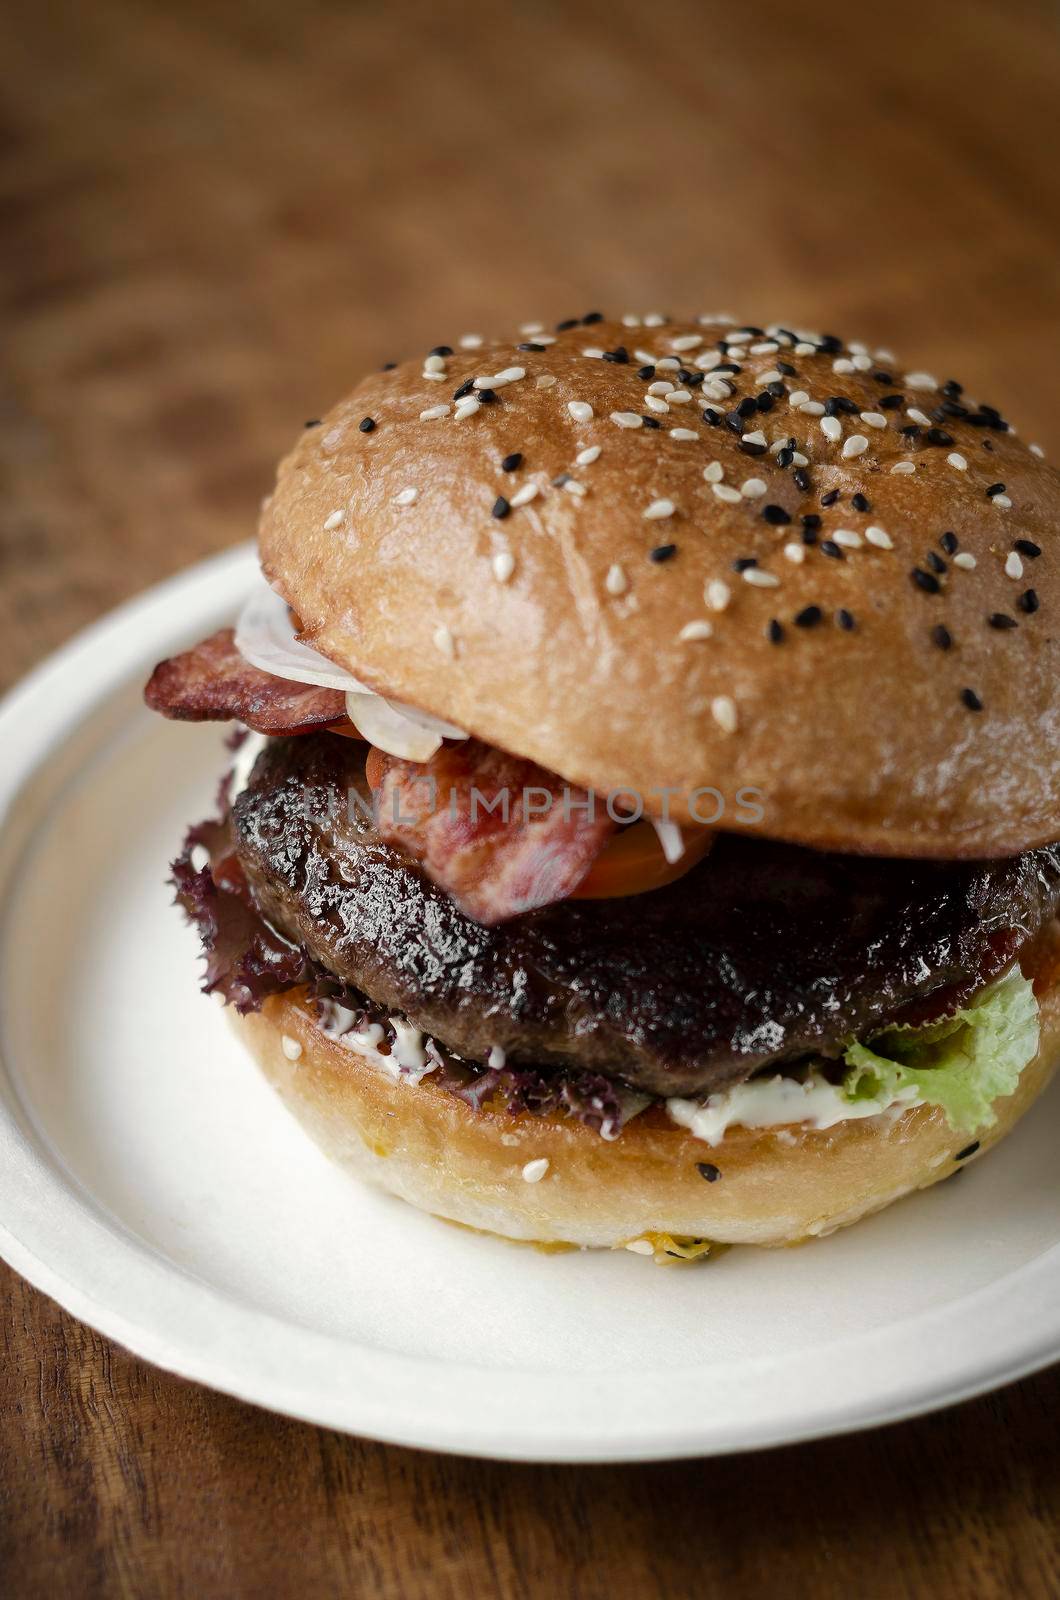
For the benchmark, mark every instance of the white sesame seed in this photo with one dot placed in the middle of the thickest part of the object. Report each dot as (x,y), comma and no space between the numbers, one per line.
(799,460)
(654,319)
(686,434)
(798,398)
(1002,501)
(334,520)
(662,386)
(470,341)
(433,364)
(861,362)
(580,410)
(758,437)
(645,358)
(666,364)
(751,488)
(630,320)
(655,402)
(874,419)
(1036,450)
(544,338)
(772,376)
(616,581)
(444,641)
(730,496)
(918,416)
(843,365)
(759,579)
(696,630)
(529,328)
(832,428)
(955,459)
(503,565)
(856,445)
(766,348)
(965,560)
(500,380)
(904,466)
(466,408)
(920,380)
(572,486)
(796,553)
(534,1171)
(544,381)
(812,408)
(586,457)
(407,497)
(714,472)
(717,594)
(678,397)
(1014,565)
(879,537)
(723,710)
(804,349)
(627,419)
(434,377)
(846,537)
(659,509)
(433,412)
(523,496)
(290,1047)
(687,341)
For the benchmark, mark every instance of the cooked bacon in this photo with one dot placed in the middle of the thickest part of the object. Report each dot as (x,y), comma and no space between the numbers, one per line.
(499,834)
(213,683)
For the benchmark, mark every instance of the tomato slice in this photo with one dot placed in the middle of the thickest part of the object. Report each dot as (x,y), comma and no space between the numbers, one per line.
(633,861)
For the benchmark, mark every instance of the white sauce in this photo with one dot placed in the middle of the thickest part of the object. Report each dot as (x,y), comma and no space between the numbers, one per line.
(407,1061)
(778,1102)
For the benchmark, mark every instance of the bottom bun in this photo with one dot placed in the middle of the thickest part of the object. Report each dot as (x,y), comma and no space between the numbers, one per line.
(655,1189)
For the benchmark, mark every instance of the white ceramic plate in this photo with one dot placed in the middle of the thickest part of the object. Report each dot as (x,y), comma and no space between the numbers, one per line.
(155,1186)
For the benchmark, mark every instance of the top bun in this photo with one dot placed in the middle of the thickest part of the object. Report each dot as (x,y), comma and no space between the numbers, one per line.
(651,591)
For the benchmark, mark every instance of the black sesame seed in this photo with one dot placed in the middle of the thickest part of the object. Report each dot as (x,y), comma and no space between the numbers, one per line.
(765,401)
(883,377)
(645,373)
(892,402)
(694,380)
(999,619)
(487,396)
(564,477)
(939,437)
(619,356)
(728,366)
(751,448)
(829,344)
(388,366)
(952,388)
(942,637)
(314,422)
(776,515)
(465,388)
(742,563)
(811,521)
(1029,602)
(859,502)
(501,507)
(734,421)
(774,631)
(935,562)
(910,431)
(845,620)
(831,406)
(809,535)
(830,498)
(802,479)
(441,350)
(776,389)
(785,457)
(925,580)
(746,407)
(1027,547)
(970,699)
(711,416)
(830,548)
(536,347)
(786,369)
(949,408)
(969,1150)
(948,542)
(663,552)
(995,488)
(651,422)
(513,462)
(808,617)
(708,1170)
(592,316)
(568,322)
(366,424)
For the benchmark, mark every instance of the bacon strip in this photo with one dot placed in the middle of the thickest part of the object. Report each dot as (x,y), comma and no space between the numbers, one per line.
(499,834)
(213,683)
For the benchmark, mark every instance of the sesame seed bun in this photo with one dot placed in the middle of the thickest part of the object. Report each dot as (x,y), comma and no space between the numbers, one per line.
(484,1168)
(892,686)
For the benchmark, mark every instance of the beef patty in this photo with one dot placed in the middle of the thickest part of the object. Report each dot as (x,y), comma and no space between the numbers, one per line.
(762,953)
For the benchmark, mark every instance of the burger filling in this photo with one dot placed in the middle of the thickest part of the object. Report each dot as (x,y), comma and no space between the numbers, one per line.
(549,959)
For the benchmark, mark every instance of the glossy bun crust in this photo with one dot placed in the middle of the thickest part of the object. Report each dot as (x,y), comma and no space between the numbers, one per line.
(892,686)
(426,1146)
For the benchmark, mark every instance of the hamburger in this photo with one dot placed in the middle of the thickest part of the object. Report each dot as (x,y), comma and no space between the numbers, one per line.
(643,831)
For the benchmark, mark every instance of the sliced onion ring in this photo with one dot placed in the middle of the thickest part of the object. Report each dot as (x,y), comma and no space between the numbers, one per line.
(266,638)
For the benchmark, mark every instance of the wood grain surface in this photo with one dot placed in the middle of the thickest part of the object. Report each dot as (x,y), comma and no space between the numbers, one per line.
(212,218)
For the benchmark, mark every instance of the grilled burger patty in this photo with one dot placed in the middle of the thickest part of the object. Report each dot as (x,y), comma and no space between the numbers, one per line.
(761,954)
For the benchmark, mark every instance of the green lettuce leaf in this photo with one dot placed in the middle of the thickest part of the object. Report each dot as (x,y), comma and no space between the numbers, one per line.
(962,1064)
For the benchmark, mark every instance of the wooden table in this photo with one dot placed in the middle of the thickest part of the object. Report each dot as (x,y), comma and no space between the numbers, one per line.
(214,217)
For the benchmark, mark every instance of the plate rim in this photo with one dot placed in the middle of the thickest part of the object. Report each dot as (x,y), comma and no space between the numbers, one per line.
(56,1236)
